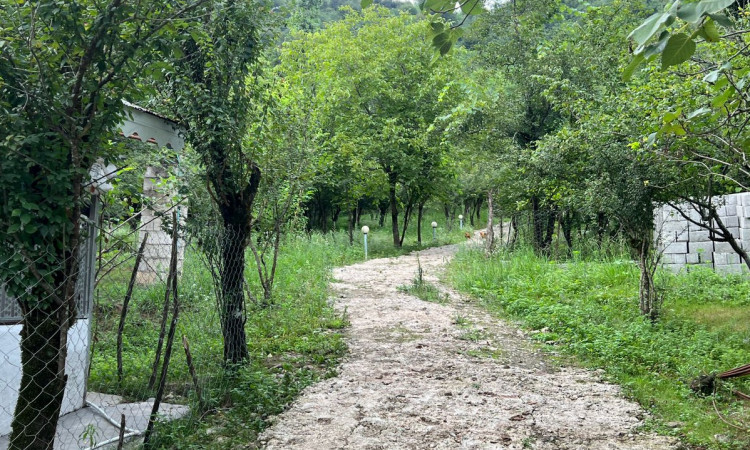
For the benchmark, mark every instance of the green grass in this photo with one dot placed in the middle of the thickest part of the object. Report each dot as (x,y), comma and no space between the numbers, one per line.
(590,310)
(292,344)
(424,290)
(380,239)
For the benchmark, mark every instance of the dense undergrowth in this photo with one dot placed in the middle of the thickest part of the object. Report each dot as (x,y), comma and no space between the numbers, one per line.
(292,344)
(589,310)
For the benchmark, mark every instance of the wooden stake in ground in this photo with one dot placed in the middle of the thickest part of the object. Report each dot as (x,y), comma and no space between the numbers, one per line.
(191,368)
(121,440)
(167,357)
(125,303)
(165,312)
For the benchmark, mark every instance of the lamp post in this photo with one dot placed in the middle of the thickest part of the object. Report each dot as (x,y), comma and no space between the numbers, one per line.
(434,231)
(461,221)
(365,231)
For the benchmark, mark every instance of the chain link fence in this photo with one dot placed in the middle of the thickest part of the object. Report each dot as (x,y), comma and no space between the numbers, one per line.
(159,312)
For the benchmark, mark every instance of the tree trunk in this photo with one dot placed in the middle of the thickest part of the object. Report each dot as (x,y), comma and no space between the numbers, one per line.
(648,296)
(467,212)
(358,212)
(48,314)
(478,208)
(550,229)
(601,227)
(538,224)
(233,295)
(335,216)
(420,214)
(407,216)
(42,382)
(383,210)
(490,244)
(350,225)
(566,223)
(394,210)
(514,230)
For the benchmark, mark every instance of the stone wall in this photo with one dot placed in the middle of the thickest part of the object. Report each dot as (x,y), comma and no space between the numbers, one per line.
(686,244)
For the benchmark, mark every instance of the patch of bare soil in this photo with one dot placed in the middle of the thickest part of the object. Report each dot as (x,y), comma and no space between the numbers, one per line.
(426,375)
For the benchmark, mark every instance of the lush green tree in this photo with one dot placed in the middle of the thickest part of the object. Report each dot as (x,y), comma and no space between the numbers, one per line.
(213,98)
(65,67)
(380,102)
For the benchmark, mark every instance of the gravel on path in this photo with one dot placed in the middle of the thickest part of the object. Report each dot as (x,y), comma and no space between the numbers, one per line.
(448,376)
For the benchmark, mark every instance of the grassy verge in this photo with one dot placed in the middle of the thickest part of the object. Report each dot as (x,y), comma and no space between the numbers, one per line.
(292,344)
(590,310)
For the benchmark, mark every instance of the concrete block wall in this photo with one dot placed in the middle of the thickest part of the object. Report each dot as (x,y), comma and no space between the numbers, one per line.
(685,244)
(154,266)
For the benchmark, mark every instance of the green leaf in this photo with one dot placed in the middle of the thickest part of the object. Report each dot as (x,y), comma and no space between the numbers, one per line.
(698,112)
(627,74)
(365,3)
(713,6)
(671,116)
(471,7)
(721,19)
(719,101)
(438,5)
(712,76)
(674,128)
(689,13)
(709,31)
(658,47)
(649,28)
(436,28)
(678,50)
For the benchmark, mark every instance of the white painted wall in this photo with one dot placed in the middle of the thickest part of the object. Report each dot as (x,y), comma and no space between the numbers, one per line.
(76,367)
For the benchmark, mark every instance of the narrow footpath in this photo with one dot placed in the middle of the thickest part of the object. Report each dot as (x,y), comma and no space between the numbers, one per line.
(449,376)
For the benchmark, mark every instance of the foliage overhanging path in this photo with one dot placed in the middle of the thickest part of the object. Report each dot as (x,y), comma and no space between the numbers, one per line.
(447,375)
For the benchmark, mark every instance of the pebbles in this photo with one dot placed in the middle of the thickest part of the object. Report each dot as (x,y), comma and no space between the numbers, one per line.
(417,384)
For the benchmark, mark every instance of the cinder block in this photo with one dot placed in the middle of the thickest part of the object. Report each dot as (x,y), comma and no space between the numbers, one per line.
(678,258)
(701,246)
(730,269)
(699,235)
(720,259)
(723,247)
(743,198)
(731,221)
(693,258)
(676,247)
(733,258)
(673,267)
(731,199)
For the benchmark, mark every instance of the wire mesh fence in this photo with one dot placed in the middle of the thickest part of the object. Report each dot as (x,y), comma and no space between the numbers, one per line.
(158,316)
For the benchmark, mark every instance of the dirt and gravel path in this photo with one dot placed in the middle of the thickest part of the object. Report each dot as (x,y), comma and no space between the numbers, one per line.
(449,376)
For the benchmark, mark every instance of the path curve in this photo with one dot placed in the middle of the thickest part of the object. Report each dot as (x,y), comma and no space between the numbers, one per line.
(425,375)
